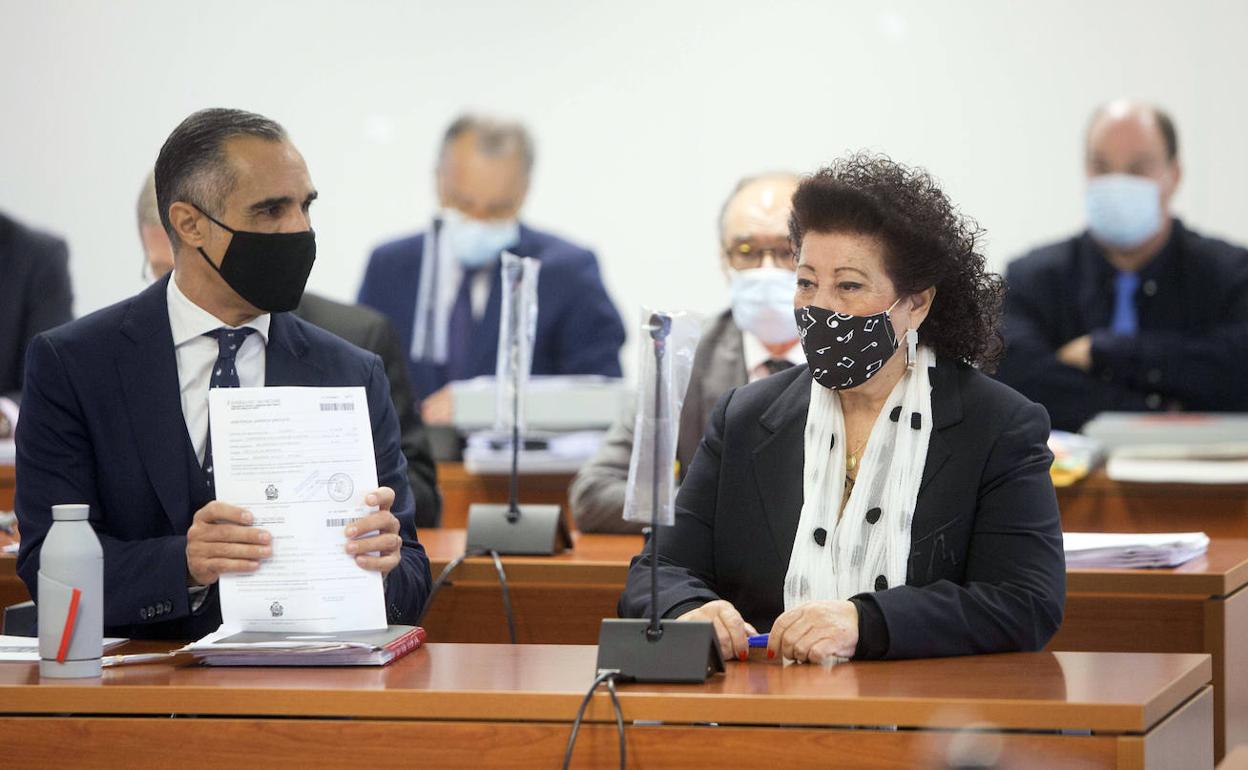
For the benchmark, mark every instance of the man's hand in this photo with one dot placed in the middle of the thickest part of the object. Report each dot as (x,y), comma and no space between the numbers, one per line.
(1077,353)
(220,540)
(438,408)
(386,541)
(815,632)
(731,630)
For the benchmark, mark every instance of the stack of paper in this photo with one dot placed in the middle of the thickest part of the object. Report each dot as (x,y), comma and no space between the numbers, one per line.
(1132,551)
(25,649)
(1191,464)
(230,647)
(1074,456)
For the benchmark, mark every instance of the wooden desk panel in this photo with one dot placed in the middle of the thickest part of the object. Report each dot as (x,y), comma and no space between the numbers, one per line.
(1097,504)
(8,486)
(478,704)
(461,488)
(12,589)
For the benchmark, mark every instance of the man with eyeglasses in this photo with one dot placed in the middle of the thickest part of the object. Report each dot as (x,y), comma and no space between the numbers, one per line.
(755,338)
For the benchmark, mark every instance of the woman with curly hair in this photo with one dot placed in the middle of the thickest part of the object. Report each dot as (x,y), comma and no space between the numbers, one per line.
(888,500)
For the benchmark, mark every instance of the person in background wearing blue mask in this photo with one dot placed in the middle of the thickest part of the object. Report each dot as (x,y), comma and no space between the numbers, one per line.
(755,338)
(442,293)
(1137,313)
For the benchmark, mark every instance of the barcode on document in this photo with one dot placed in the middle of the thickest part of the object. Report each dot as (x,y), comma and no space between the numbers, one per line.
(341,522)
(338,407)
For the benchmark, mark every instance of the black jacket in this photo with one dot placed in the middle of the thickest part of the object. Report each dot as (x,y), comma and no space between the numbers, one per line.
(986,569)
(1189,353)
(366,328)
(35,295)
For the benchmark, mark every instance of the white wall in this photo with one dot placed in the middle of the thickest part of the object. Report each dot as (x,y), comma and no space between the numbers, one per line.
(645,112)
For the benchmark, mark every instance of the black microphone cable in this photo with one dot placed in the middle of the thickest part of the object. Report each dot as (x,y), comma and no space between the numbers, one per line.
(608,677)
(444,579)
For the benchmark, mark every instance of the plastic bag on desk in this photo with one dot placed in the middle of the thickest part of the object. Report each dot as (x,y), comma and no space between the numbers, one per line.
(657,423)
(517,330)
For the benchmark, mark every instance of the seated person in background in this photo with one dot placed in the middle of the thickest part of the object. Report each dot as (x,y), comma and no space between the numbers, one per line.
(35,296)
(361,326)
(443,293)
(756,337)
(115,413)
(1137,313)
(886,500)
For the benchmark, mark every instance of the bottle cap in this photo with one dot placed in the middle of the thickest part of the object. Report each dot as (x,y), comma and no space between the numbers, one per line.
(74,512)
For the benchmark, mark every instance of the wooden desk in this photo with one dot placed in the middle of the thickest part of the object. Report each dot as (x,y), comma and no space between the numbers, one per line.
(8,486)
(452,705)
(461,488)
(1097,504)
(12,589)
(1201,606)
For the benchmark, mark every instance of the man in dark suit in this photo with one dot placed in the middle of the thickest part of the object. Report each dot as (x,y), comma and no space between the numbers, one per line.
(361,326)
(442,293)
(115,408)
(1137,313)
(753,339)
(35,295)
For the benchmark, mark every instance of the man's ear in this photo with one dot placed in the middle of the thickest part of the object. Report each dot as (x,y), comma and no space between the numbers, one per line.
(1176,176)
(188,223)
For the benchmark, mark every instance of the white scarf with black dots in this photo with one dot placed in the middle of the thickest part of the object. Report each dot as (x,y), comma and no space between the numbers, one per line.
(866,548)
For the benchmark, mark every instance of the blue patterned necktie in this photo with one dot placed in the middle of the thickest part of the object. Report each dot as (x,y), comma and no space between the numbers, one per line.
(224,375)
(1125,321)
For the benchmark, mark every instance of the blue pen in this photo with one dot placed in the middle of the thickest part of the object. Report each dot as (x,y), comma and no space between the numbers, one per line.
(759,640)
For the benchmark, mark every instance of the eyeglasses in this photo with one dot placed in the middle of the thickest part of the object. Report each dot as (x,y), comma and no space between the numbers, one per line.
(744,255)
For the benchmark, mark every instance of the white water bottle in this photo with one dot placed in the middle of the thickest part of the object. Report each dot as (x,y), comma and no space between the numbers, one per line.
(71,596)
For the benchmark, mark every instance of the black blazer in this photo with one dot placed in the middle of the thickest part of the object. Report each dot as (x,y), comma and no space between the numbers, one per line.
(35,295)
(366,328)
(986,574)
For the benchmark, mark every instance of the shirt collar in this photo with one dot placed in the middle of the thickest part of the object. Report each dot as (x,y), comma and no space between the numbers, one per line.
(188,321)
(756,353)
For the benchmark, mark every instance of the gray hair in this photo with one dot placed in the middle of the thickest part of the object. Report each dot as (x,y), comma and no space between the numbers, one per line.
(192,166)
(495,138)
(146,209)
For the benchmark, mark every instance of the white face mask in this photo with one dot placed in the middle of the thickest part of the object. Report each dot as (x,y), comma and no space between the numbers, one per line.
(762,303)
(475,242)
(1123,210)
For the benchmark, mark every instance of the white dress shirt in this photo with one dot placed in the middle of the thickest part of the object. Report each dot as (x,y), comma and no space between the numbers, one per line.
(757,355)
(197,354)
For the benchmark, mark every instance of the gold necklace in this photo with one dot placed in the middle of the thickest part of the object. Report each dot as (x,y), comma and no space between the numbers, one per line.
(851,461)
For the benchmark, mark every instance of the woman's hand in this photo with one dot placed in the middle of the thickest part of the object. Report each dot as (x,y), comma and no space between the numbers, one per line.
(815,632)
(731,630)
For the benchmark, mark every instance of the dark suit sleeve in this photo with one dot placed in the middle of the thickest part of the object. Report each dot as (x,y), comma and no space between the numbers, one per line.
(1202,372)
(421,473)
(686,576)
(50,301)
(1014,584)
(371,288)
(590,330)
(57,464)
(1030,365)
(407,585)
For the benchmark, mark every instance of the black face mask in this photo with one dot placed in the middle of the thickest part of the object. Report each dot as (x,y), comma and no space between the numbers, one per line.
(844,351)
(269,270)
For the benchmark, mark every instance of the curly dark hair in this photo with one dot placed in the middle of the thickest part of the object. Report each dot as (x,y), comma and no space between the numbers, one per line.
(926,243)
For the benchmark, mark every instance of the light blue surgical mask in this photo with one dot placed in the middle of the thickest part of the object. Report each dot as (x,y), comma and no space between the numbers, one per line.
(762,303)
(1123,210)
(475,242)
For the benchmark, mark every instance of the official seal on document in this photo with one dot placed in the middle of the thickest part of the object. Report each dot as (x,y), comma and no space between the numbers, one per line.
(339,487)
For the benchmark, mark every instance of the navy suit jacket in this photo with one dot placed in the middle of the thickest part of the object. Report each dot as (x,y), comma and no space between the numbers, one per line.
(35,295)
(579,330)
(1192,306)
(986,570)
(102,424)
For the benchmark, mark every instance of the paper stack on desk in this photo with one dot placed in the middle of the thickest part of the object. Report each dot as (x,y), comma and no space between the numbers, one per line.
(1113,550)
(230,647)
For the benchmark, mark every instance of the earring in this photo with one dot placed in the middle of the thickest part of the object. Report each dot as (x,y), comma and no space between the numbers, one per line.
(912,348)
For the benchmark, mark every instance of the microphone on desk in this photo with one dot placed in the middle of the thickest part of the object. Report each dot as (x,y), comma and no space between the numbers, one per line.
(657,650)
(514,528)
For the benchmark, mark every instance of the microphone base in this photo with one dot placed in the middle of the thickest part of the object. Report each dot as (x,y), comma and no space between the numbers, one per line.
(686,653)
(539,531)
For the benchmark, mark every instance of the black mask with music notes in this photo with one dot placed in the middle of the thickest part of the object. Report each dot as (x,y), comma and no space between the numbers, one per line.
(843,351)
